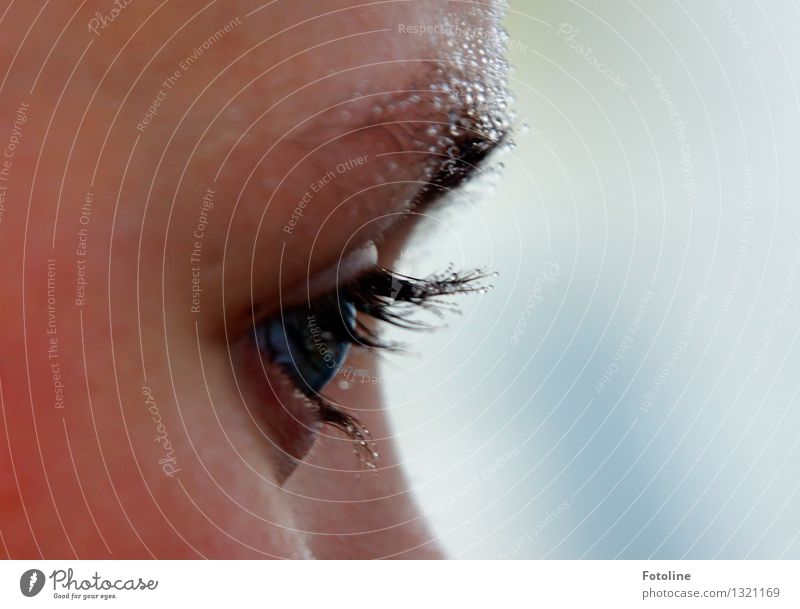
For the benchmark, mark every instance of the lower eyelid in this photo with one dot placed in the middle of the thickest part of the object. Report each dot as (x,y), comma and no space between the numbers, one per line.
(289,422)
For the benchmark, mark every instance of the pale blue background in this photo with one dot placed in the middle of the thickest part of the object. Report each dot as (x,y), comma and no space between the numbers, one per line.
(497,436)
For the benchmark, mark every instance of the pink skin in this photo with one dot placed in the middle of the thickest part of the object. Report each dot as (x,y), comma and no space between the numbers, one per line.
(83,477)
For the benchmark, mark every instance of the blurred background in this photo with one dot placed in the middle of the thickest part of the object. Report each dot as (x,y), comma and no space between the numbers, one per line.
(629,389)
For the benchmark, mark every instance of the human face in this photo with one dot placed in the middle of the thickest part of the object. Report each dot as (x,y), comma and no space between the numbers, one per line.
(180,176)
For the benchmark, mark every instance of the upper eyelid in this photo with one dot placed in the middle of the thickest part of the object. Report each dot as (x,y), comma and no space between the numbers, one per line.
(391,137)
(473,149)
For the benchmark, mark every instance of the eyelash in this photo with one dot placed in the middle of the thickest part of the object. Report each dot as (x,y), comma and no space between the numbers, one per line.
(379,294)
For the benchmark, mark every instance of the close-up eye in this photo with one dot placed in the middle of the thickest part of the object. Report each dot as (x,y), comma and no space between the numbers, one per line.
(309,343)
(339,280)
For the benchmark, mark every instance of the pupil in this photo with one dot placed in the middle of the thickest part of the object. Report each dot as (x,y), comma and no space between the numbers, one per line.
(311,347)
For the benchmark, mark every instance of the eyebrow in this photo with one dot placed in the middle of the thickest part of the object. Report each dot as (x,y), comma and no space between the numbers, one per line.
(453,170)
(450,166)
(472,149)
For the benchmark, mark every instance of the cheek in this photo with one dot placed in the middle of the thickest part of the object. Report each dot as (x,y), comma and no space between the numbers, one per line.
(205,460)
(137,467)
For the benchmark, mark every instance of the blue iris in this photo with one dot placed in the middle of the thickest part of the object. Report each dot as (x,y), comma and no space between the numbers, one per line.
(309,345)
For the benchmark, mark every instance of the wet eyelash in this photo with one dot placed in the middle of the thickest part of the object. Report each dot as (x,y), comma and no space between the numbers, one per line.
(386,296)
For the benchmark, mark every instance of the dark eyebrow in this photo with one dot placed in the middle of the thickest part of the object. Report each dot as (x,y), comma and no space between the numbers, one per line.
(455,168)
(448,168)
(471,150)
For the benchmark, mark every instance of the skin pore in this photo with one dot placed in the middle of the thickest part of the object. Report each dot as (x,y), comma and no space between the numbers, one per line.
(184,172)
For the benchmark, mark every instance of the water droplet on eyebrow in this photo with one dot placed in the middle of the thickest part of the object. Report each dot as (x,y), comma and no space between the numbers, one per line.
(344,115)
